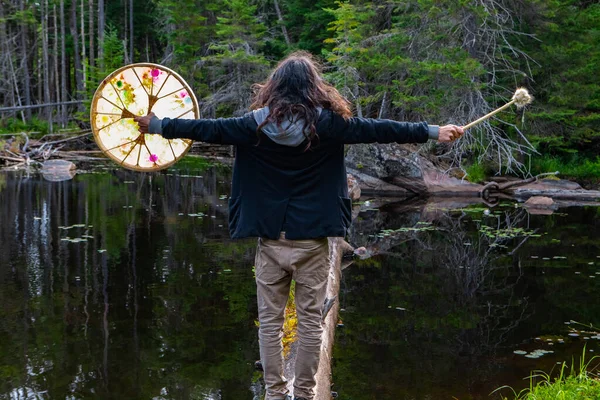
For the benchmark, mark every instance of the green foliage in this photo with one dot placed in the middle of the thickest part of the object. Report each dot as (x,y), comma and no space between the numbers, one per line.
(569,385)
(234,58)
(113,59)
(567,108)
(184,29)
(307,22)
(16,125)
(439,61)
(569,167)
(476,173)
(193,163)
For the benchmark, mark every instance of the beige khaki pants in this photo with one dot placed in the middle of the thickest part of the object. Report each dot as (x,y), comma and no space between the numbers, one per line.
(277,263)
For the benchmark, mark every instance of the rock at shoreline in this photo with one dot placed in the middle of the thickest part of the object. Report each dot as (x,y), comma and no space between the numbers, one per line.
(58,170)
(442,184)
(540,205)
(539,202)
(398,170)
(353,188)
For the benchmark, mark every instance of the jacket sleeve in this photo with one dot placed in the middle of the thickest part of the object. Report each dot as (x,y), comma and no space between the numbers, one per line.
(236,131)
(368,130)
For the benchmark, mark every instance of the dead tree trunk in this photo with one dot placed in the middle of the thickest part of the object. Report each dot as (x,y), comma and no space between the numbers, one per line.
(58,94)
(281,23)
(26,77)
(63,65)
(91,33)
(130,30)
(101,33)
(6,89)
(77,55)
(83,52)
(337,248)
(46,63)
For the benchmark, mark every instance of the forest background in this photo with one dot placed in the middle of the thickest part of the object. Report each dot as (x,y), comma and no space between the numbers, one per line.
(446,61)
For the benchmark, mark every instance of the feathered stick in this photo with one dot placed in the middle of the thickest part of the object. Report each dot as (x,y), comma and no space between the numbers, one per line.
(521,98)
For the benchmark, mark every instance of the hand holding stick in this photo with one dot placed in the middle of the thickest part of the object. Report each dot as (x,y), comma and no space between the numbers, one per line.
(521,98)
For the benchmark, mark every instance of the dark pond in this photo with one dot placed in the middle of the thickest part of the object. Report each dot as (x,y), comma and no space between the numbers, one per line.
(125,285)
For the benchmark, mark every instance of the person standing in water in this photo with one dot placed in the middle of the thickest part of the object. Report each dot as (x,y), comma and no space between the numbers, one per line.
(289,190)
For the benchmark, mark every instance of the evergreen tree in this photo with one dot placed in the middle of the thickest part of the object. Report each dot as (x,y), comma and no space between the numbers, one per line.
(567,108)
(234,61)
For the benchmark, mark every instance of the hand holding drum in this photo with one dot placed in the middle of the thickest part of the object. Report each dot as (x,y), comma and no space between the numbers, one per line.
(124,97)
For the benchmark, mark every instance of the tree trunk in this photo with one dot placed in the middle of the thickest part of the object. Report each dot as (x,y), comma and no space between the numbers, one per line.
(77,55)
(8,47)
(91,32)
(125,29)
(46,64)
(101,33)
(38,67)
(83,52)
(26,77)
(63,66)
(4,86)
(382,110)
(11,89)
(281,22)
(57,86)
(130,30)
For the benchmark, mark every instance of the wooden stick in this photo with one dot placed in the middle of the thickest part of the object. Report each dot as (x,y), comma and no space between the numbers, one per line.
(12,159)
(87,133)
(496,111)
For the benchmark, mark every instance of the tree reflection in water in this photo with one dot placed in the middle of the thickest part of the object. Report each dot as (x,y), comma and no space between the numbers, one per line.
(125,285)
(448,294)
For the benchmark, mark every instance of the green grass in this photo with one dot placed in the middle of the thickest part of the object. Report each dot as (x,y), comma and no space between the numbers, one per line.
(193,163)
(16,125)
(569,385)
(34,128)
(476,173)
(574,167)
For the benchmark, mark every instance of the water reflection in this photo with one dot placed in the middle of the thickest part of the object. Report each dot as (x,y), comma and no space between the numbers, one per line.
(125,285)
(453,292)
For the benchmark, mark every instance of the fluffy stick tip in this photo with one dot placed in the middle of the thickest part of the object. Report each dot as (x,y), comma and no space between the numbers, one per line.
(522,97)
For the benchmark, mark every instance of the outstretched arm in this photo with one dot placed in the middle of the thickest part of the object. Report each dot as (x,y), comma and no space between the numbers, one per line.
(368,130)
(221,130)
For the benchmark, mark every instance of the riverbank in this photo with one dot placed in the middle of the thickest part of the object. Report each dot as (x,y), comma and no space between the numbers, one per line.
(399,172)
(584,385)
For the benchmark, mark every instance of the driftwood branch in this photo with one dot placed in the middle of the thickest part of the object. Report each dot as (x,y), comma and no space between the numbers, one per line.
(337,249)
(35,150)
(29,107)
(491,187)
(87,133)
(14,159)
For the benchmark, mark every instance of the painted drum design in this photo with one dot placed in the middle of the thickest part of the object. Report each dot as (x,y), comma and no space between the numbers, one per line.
(135,90)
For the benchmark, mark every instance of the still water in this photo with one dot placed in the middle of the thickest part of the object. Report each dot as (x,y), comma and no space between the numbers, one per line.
(122,285)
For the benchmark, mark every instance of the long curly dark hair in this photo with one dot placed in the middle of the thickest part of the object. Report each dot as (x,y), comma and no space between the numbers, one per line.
(295,89)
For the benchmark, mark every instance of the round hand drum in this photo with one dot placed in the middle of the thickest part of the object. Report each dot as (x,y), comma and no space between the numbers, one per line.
(135,90)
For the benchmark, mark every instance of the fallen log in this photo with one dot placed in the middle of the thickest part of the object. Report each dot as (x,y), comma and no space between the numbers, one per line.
(337,248)
(500,187)
(557,194)
(35,150)
(14,159)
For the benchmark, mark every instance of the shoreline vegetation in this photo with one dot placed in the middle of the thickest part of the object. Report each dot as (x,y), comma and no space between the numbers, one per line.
(18,142)
(568,385)
(436,61)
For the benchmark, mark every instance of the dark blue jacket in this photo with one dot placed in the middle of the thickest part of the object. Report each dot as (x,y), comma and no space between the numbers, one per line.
(278,188)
